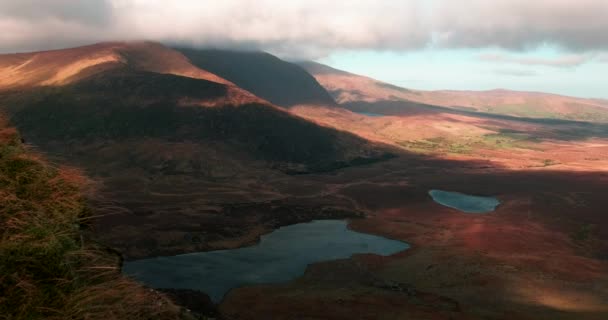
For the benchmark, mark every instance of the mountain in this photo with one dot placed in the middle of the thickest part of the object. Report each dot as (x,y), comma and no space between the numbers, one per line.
(280,82)
(143,89)
(132,150)
(473,124)
(55,68)
(161,135)
(363,94)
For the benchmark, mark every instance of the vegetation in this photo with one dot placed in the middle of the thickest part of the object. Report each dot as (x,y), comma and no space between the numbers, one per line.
(437,144)
(465,145)
(583,233)
(522,110)
(549,162)
(508,140)
(583,112)
(280,82)
(132,105)
(48,269)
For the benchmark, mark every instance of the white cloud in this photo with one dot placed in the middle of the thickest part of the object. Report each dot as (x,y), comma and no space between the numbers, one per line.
(311,28)
(516,72)
(521,24)
(571,60)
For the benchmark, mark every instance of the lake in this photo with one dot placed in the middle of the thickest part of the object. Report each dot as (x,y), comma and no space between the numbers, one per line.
(464,202)
(279,257)
(370,114)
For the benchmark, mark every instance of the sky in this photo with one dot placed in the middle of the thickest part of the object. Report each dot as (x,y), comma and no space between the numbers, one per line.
(558,46)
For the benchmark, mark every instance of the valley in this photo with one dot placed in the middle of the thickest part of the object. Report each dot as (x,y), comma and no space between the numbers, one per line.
(186,154)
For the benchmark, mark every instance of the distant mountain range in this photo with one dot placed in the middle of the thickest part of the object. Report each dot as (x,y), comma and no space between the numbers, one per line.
(366,94)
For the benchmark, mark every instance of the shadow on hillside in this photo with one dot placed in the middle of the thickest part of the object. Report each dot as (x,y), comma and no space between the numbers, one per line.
(559,129)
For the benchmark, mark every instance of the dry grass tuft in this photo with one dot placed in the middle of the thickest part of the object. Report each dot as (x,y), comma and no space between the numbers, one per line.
(47,269)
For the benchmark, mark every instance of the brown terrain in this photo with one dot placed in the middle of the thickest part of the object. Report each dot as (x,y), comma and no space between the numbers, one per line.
(356,92)
(173,150)
(175,175)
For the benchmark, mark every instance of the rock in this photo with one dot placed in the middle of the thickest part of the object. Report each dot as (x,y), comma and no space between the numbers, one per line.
(196,301)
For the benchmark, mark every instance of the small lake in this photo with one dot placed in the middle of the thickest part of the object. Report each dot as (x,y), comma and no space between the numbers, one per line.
(279,257)
(370,114)
(464,202)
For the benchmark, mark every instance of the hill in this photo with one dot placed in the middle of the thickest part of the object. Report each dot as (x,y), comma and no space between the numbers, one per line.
(143,89)
(517,129)
(360,93)
(280,82)
(180,159)
(161,136)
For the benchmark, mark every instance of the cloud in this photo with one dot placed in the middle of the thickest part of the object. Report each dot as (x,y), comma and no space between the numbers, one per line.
(516,72)
(37,25)
(562,61)
(307,28)
(85,11)
(297,28)
(522,24)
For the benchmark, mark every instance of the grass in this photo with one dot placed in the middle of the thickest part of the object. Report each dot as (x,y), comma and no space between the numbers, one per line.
(583,233)
(137,105)
(48,269)
(522,110)
(508,140)
(549,162)
(437,145)
(583,112)
(467,144)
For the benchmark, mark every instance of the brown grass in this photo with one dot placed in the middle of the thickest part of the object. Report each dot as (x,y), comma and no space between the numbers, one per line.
(48,269)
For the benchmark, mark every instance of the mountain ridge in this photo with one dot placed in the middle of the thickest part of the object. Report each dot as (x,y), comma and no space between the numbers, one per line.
(280,82)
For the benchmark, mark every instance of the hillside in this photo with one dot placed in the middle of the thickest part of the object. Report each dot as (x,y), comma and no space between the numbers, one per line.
(168,157)
(360,93)
(49,268)
(162,145)
(143,89)
(23,71)
(124,104)
(517,129)
(280,82)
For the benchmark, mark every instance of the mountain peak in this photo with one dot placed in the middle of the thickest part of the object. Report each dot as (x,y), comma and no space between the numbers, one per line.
(59,67)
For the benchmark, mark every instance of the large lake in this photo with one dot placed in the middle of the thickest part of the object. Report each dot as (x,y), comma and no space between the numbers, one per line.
(279,257)
(464,202)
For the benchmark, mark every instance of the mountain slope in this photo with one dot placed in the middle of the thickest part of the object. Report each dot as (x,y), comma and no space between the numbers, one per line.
(280,82)
(163,145)
(122,104)
(22,71)
(516,128)
(143,89)
(361,93)
(49,269)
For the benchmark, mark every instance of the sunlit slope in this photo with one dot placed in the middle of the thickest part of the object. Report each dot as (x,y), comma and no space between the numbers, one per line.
(363,93)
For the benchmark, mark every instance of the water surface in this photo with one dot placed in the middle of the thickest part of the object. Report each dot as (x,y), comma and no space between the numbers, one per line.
(279,257)
(464,202)
(370,114)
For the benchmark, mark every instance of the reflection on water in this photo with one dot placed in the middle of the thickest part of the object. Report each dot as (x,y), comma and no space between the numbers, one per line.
(279,257)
